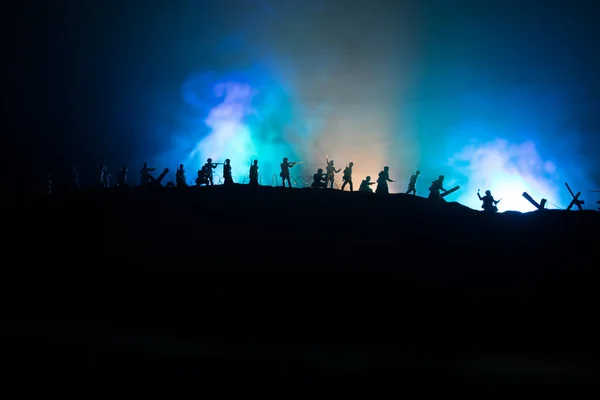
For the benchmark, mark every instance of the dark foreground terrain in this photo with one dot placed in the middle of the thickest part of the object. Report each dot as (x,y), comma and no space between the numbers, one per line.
(239,286)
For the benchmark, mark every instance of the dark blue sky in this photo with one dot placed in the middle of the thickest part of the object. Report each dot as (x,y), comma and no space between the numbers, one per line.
(85,80)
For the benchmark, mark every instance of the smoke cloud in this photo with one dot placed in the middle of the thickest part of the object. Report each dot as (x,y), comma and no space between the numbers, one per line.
(374,86)
(508,170)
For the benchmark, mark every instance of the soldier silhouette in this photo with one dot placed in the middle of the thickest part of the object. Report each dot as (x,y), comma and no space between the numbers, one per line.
(365,185)
(106,176)
(122,177)
(101,171)
(209,167)
(347,178)
(434,189)
(74,178)
(319,180)
(489,204)
(202,178)
(50,184)
(227,178)
(412,184)
(382,181)
(146,178)
(331,171)
(253,174)
(180,180)
(285,171)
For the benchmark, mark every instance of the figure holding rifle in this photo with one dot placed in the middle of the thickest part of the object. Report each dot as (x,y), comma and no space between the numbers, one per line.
(285,170)
(209,167)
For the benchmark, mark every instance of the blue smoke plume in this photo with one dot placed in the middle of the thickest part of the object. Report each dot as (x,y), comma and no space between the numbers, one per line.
(240,116)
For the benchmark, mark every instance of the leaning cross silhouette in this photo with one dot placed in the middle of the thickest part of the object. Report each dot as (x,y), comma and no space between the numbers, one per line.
(575,201)
(535,204)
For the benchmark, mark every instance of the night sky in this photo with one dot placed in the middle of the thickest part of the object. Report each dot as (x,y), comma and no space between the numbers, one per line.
(103,82)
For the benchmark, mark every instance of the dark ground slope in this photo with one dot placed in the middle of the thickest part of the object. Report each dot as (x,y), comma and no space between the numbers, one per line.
(275,282)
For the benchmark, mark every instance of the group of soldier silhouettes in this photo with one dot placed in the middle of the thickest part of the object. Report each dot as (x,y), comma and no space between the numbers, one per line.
(104,179)
(322,179)
(325,179)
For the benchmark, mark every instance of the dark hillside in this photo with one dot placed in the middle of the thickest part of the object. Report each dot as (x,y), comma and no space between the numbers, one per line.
(283,283)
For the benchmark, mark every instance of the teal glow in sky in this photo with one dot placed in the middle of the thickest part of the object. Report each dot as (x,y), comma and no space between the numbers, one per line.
(246,122)
(412,86)
(508,170)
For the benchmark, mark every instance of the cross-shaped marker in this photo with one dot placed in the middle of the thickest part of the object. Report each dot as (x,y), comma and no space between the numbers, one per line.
(575,201)
(535,204)
(156,181)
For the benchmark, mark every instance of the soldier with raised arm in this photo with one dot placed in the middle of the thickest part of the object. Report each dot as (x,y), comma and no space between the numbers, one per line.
(489,203)
(331,171)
